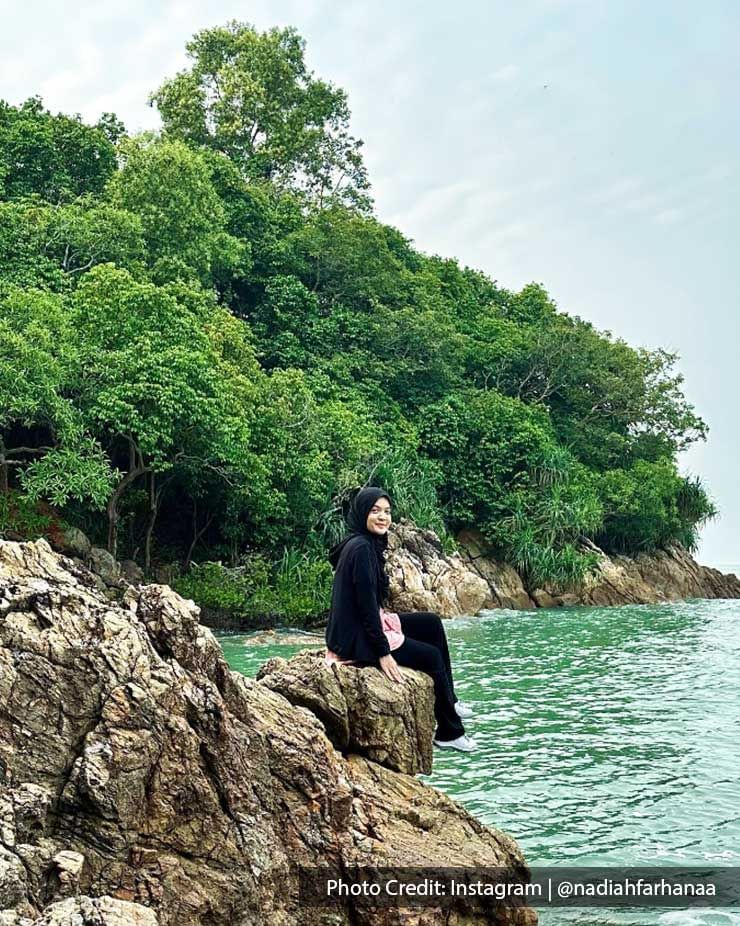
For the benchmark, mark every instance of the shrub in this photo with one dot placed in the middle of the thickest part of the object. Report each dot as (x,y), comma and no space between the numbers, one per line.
(294,589)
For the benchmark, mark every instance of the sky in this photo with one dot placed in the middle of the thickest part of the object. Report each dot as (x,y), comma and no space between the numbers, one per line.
(591,146)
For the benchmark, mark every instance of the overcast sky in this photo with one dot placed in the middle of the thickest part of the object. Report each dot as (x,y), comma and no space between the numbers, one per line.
(590,146)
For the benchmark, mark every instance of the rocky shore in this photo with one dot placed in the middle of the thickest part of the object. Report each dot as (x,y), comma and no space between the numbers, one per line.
(425,578)
(144,782)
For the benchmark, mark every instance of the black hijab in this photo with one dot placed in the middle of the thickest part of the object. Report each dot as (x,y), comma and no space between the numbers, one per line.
(357,523)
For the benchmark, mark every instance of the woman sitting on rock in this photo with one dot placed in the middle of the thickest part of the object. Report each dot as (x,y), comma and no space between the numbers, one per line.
(361,631)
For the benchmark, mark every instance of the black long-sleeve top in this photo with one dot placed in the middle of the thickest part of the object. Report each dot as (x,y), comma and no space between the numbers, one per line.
(354,630)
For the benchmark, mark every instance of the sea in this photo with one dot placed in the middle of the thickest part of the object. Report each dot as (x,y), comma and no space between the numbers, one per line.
(606,737)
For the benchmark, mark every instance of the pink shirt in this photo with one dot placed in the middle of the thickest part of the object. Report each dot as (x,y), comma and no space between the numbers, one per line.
(391,624)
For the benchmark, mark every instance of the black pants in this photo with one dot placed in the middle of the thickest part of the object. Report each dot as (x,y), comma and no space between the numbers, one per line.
(425,648)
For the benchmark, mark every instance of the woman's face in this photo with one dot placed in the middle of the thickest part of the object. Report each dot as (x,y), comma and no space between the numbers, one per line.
(379,518)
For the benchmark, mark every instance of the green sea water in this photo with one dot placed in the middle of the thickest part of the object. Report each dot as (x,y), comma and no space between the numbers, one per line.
(607,736)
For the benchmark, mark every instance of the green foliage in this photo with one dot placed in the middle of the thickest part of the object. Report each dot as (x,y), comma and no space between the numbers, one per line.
(299,591)
(81,471)
(610,404)
(651,505)
(20,516)
(169,188)
(544,522)
(55,157)
(24,262)
(165,373)
(308,447)
(283,321)
(486,444)
(49,247)
(38,374)
(249,95)
(294,588)
(37,360)
(413,484)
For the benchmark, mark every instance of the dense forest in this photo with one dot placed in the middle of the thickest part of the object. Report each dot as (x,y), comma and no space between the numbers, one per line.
(208,340)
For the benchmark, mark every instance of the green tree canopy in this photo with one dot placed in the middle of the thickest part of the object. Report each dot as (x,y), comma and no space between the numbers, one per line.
(50,246)
(55,157)
(42,430)
(166,379)
(250,95)
(168,187)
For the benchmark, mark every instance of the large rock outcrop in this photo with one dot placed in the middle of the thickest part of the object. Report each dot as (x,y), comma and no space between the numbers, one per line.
(425,578)
(141,777)
(647,578)
(362,712)
(505,586)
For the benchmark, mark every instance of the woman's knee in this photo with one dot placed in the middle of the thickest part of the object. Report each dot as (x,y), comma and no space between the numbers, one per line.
(436,662)
(435,621)
(425,657)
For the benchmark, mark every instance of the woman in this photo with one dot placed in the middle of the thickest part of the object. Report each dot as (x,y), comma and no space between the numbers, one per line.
(360,630)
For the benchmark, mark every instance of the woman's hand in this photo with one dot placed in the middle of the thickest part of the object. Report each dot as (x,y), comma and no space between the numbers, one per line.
(390,669)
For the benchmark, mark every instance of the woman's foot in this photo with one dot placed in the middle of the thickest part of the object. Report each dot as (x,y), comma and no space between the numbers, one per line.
(463,743)
(463,710)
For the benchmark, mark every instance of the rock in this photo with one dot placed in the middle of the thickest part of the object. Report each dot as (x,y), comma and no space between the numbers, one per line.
(361,710)
(68,869)
(647,578)
(543,599)
(284,638)
(424,578)
(73,542)
(104,565)
(159,787)
(165,573)
(98,911)
(132,572)
(506,589)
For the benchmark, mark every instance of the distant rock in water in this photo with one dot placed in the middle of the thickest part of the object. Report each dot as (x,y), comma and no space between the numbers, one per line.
(666,575)
(144,782)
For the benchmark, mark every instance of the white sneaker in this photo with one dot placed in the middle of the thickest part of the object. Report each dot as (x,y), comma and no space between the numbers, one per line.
(463,743)
(463,710)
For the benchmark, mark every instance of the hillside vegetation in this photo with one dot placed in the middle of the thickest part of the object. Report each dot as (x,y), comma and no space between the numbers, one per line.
(208,339)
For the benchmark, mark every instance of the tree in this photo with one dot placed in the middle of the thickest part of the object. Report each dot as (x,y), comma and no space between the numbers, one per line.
(650,506)
(486,444)
(309,446)
(42,433)
(249,95)
(48,246)
(168,187)
(55,157)
(167,381)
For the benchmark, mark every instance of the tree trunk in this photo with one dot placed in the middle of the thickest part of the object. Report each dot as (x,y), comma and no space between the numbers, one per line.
(4,487)
(197,534)
(112,507)
(153,506)
(155,498)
